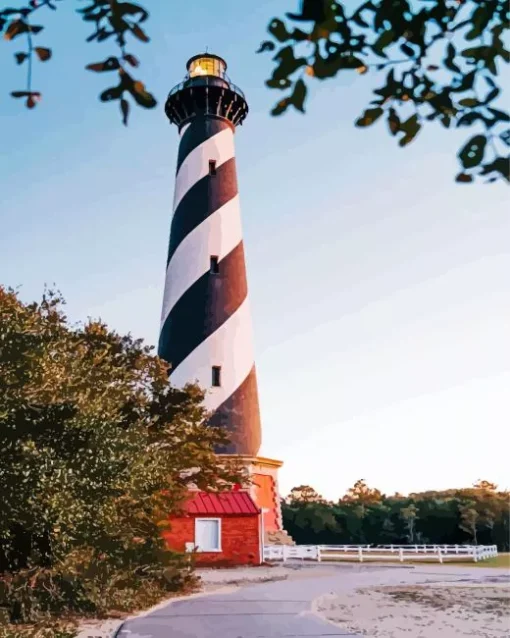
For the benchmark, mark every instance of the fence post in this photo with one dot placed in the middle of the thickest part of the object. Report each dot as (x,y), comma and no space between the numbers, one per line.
(440,555)
(319,559)
(284,553)
(360,554)
(401,555)
(475,554)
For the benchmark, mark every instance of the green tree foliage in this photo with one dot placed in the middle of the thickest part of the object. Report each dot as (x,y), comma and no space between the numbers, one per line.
(366,516)
(110,20)
(96,450)
(305,494)
(437,61)
(409,514)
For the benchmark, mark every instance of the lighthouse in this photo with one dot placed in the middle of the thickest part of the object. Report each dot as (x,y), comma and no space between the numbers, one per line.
(206,326)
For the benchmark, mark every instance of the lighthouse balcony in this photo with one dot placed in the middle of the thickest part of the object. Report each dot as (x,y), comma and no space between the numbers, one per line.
(206,95)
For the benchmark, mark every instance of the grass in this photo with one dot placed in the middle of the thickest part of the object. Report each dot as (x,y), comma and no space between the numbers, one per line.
(501,561)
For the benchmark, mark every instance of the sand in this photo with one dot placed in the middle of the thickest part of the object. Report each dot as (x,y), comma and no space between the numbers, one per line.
(438,610)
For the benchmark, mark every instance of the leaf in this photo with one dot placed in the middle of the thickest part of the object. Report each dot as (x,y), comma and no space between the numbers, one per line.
(410,127)
(492,95)
(477,53)
(281,83)
(382,42)
(469,101)
(139,33)
(369,117)
(480,19)
(311,10)
(20,57)
(468,118)
(15,28)
(31,101)
(299,95)
(500,165)
(266,46)
(110,64)
(142,96)
(472,153)
(393,121)
(405,48)
(43,53)
(505,136)
(20,93)
(288,64)
(128,8)
(450,55)
(35,28)
(445,121)
(130,59)
(112,93)
(277,29)
(124,107)
(280,107)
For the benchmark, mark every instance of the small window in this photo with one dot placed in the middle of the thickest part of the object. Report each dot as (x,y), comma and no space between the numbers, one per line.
(208,534)
(215,266)
(212,167)
(216,376)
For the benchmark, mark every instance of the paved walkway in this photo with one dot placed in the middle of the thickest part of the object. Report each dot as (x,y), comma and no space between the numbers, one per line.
(281,609)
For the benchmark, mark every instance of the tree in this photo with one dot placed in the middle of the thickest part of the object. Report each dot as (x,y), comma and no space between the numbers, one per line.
(469,519)
(96,450)
(361,493)
(410,514)
(438,61)
(304,494)
(486,486)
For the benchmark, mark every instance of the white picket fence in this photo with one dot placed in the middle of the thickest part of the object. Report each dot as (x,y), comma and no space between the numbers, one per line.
(399,553)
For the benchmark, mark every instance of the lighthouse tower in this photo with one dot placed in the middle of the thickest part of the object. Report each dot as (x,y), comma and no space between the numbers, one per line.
(206,329)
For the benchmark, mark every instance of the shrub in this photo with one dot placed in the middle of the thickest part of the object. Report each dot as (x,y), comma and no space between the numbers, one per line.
(96,451)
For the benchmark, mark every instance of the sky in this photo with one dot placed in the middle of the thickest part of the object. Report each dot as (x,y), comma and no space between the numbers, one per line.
(379,287)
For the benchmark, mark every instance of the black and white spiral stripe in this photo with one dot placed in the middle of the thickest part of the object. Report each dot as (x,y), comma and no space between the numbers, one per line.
(206,317)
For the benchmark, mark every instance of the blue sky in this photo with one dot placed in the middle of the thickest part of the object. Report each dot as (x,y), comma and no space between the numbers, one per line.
(379,287)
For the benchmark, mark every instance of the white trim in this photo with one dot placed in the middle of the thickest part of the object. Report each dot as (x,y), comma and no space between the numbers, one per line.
(208,551)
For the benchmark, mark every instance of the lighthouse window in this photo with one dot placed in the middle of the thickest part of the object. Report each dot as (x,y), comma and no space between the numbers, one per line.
(215,266)
(212,167)
(216,376)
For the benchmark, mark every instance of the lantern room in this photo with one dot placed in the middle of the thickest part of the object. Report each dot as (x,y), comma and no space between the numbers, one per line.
(207,64)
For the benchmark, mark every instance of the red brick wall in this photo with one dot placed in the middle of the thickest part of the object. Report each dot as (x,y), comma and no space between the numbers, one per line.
(240,538)
(265,497)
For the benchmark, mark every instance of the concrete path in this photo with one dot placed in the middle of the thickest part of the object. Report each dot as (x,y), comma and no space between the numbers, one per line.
(281,609)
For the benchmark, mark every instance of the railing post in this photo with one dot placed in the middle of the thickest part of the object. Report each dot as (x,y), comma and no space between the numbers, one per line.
(284,552)
(440,555)
(360,554)
(401,554)
(319,557)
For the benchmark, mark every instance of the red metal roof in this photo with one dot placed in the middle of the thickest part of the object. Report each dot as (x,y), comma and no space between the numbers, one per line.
(233,503)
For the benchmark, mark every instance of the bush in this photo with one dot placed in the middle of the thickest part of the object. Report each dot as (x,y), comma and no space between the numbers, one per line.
(96,451)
